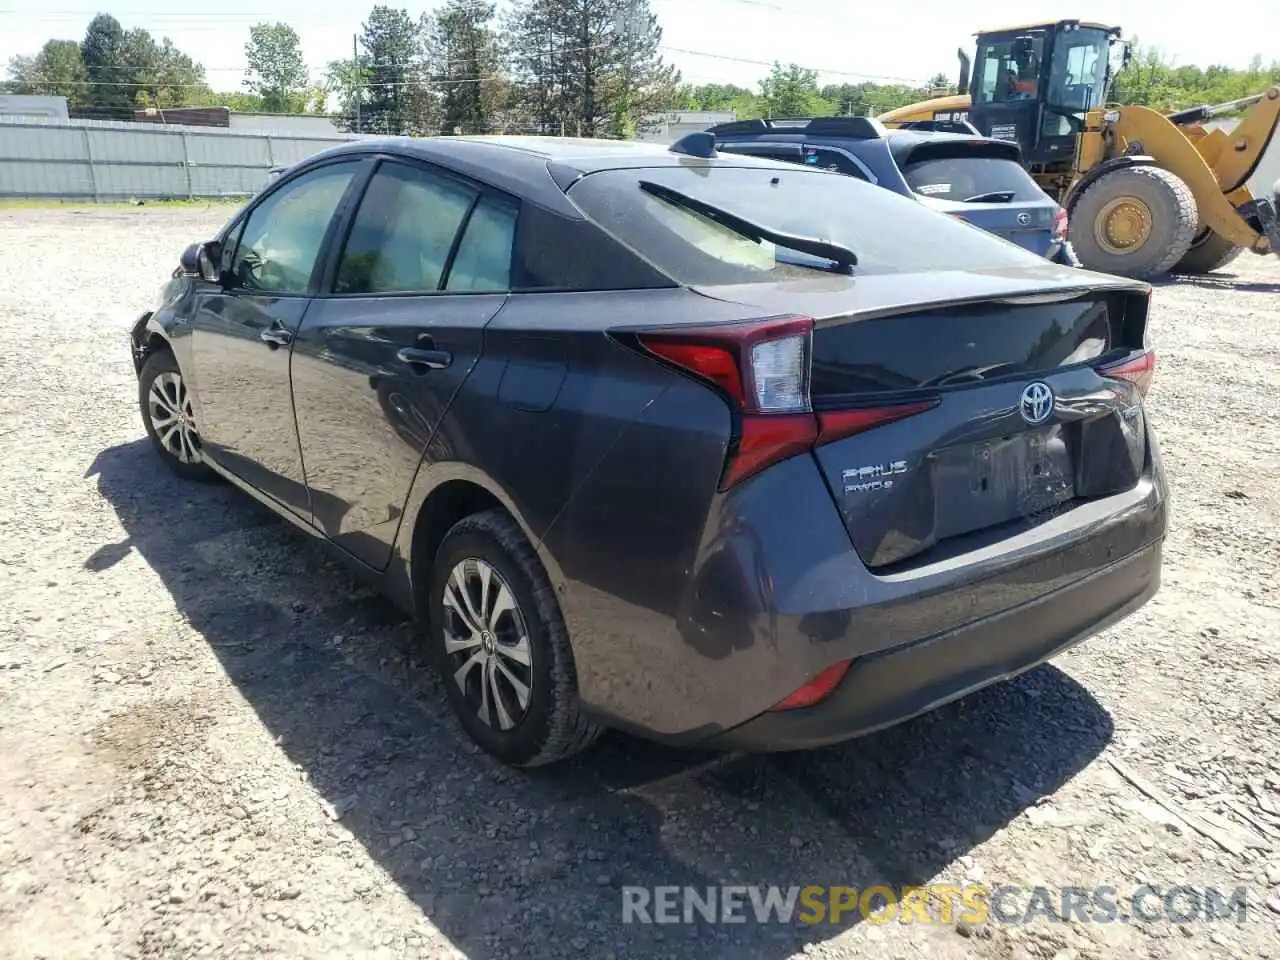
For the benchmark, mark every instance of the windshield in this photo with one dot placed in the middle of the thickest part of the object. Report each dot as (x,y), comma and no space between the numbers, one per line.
(1009,70)
(889,233)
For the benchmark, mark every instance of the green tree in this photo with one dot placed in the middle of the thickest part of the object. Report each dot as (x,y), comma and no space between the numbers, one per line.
(103,54)
(1151,79)
(713,96)
(464,65)
(398,101)
(792,91)
(276,70)
(941,82)
(588,67)
(348,80)
(57,70)
(128,68)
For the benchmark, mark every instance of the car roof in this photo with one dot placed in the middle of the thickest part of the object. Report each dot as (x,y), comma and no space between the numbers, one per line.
(535,168)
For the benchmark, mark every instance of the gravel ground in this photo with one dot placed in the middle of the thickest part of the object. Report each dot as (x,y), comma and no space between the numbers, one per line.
(215,743)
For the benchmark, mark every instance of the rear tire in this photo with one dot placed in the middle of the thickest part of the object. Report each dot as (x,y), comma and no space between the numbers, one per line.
(1134,222)
(1209,251)
(167,415)
(496,633)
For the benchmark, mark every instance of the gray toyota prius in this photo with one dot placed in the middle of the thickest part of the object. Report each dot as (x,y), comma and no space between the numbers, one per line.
(718,450)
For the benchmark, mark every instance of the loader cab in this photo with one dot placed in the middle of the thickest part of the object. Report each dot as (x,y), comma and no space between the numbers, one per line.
(1035,84)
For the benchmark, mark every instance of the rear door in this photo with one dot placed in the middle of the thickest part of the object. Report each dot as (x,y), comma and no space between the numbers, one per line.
(992,192)
(423,267)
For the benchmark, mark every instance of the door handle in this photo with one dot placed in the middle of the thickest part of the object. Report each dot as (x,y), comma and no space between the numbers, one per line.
(275,336)
(428,359)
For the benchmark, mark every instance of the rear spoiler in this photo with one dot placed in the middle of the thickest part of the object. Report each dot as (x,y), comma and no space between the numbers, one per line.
(909,150)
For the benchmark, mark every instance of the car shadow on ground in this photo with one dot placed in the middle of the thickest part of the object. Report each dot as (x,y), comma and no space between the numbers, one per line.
(508,863)
(1219,281)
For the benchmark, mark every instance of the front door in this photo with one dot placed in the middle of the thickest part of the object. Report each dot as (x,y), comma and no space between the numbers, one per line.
(381,355)
(242,333)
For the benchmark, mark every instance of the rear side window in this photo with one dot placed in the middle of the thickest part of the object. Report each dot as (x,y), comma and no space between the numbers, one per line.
(961,178)
(834,160)
(483,260)
(403,232)
(888,232)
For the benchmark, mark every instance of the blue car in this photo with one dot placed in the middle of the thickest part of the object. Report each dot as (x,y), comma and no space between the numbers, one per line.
(973,178)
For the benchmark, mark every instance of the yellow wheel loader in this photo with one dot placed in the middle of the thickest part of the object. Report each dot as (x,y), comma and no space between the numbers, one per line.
(1145,192)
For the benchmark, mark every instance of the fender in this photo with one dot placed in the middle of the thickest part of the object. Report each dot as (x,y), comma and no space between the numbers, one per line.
(398,577)
(1098,171)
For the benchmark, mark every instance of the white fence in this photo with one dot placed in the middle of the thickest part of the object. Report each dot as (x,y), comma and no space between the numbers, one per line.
(104,160)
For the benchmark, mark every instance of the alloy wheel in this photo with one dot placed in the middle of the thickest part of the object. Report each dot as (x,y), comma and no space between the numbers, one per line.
(486,640)
(169,406)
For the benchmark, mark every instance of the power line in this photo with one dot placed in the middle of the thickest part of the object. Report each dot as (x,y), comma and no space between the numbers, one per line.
(768,63)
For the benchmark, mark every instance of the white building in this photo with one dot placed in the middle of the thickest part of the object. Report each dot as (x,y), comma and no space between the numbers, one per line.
(22,105)
(670,127)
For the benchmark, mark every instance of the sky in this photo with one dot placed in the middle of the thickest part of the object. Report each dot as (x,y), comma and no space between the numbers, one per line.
(710,41)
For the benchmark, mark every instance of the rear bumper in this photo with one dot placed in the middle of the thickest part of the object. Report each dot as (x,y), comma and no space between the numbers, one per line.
(693,632)
(889,687)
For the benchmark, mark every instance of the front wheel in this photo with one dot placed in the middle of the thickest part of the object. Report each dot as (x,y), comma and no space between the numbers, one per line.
(1134,222)
(169,418)
(501,645)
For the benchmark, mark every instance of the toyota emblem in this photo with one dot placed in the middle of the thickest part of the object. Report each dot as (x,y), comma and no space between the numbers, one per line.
(1036,405)
(1024,218)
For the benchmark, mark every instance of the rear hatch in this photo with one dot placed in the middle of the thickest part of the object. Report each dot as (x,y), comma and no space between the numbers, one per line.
(981,182)
(952,388)
(990,415)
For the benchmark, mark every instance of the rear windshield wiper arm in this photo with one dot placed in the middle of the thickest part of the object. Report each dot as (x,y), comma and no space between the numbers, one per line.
(826,249)
(993,196)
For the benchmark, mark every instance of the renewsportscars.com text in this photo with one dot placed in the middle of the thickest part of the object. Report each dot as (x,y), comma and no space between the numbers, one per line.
(936,903)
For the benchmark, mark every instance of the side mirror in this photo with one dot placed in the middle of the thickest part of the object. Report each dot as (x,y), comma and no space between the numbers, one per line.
(201,260)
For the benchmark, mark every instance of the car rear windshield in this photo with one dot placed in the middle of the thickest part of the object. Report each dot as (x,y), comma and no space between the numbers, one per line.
(963,178)
(889,233)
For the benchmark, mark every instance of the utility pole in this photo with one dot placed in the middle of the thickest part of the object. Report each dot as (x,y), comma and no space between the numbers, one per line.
(355,67)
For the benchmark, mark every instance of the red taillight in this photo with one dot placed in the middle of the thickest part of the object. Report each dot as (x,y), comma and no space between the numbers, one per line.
(838,424)
(767,440)
(762,368)
(816,690)
(711,363)
(1139,371)
(1060,225)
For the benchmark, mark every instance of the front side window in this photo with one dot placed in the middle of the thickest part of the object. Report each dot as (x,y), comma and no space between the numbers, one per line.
(282,237)
(403,233)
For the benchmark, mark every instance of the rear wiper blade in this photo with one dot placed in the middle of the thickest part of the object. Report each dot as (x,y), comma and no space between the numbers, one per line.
(826,249)
(969,373)
(994,196)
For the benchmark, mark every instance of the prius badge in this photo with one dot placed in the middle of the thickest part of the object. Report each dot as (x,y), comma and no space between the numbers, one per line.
(1036,404)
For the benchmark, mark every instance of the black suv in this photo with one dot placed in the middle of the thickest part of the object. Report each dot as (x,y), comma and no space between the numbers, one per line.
(975,178)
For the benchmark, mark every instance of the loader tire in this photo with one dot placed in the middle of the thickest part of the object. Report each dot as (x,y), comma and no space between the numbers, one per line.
(1134,222)
(1209,251)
